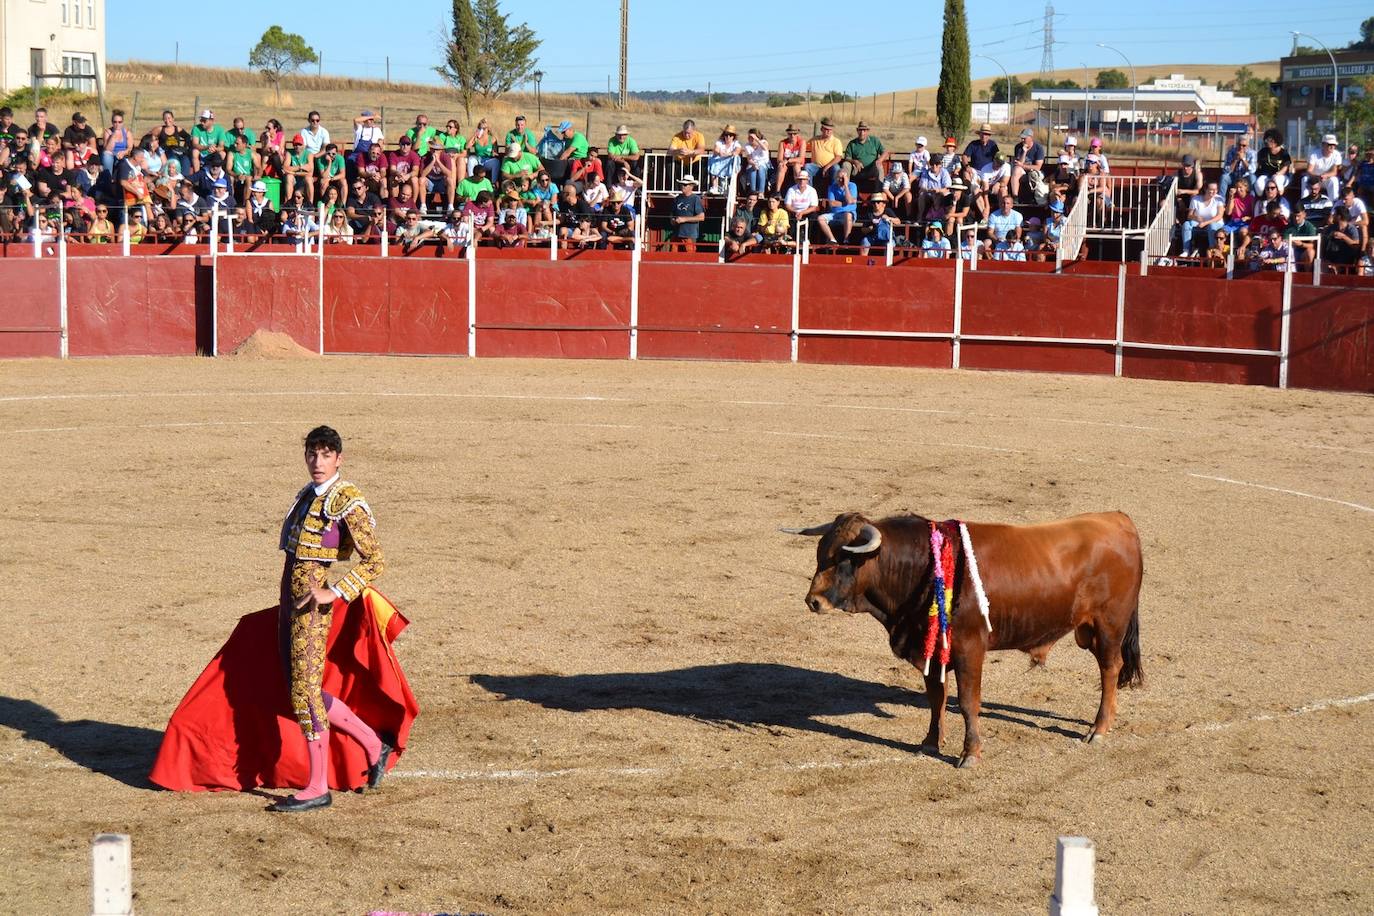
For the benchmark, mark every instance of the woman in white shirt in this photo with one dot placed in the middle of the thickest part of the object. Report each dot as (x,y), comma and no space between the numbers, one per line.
(756,154)
(724,160)
(337,231)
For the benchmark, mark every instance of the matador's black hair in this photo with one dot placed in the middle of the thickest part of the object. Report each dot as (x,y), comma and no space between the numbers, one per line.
(323,436)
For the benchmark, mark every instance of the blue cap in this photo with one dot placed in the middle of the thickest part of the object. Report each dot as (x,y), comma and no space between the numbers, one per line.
(1056,206)
(566,125)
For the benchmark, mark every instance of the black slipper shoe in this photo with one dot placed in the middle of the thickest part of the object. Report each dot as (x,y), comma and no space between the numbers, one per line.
(378,769)
(291,804)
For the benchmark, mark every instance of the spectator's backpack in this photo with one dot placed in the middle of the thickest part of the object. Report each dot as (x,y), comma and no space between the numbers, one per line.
(1039,187)
(552,146)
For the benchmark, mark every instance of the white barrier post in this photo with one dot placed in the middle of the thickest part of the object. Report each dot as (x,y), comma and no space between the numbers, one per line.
(62,286)
(1075,861)
(472,288)
(958,297)
(635,256)
(38,232)
(891,247)
(796,301)
(124,234)
(1285,318)
(1120,316)
(112,884)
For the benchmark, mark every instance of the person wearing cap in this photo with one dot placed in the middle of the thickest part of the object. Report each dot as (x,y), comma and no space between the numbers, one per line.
(826,152)
(366,133)
(207,139)
(879,225)
(801,200)
(932,187)
(79,136)
(866,156)
(688,215)
(1341,241)
(724,160)
(963,200)
(1053,234)
(314,135)
(1240,162)
(622,150)
(1035,239)
(950,157)
(919,159)
(299,168)
(1027,159)
(421,135)
(403,168)
(935,244)
(576,142)
(522,135)
(1095,149)
(1324,165)
(791,158)
(260,209)
(618,221)
(982,153)
(896,188)
(1187,182)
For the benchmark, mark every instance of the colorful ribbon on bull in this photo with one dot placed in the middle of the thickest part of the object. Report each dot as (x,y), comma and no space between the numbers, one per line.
(941,611)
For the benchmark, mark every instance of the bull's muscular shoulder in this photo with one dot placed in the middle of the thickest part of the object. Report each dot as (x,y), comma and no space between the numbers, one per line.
(342,499)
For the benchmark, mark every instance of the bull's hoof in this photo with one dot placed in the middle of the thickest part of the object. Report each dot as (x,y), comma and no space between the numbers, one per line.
(929,749)
(1095,738)
(968,762)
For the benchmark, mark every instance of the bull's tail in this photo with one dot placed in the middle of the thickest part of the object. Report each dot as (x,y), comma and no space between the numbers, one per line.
(1132,674)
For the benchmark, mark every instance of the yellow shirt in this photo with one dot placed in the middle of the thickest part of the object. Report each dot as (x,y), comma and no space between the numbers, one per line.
(694,141)
(774,222)
(826,150)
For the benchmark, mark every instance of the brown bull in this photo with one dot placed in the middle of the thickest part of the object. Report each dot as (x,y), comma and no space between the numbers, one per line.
(1080,574)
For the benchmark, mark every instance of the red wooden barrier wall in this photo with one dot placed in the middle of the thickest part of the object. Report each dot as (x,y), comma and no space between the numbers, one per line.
(1331,338)
(914,296)
(267,292)
(1034,304)
(531,306)
(399,305)
(132,306)
(31,317)
(1170,309)
(706,310)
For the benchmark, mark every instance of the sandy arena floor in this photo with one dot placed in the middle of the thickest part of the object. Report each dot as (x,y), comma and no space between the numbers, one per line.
(626,707)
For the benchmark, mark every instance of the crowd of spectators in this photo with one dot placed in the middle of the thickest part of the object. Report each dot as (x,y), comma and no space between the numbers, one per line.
(515,187)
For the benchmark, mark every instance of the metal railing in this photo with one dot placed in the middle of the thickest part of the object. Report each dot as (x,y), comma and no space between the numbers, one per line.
(1159,235)
(1075,229)
(1119,205)
(662,172)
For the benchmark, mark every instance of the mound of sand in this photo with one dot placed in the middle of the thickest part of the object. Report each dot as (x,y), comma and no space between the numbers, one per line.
(272,345)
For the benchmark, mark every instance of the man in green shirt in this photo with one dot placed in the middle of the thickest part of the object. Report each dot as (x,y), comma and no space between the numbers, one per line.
(623,152)
(866,156)
(576,140)
(522,135)
(422,135)
(1301,234)
(330,170)
(519,163)
(206,137)
(241,129)
(475,183)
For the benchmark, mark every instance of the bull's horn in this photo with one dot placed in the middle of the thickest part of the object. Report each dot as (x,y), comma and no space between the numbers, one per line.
(809,532)
(872,540)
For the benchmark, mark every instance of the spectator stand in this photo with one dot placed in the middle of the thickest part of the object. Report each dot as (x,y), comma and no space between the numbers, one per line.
(1122,209)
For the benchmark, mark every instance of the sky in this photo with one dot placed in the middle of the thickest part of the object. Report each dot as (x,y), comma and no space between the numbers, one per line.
(772,46)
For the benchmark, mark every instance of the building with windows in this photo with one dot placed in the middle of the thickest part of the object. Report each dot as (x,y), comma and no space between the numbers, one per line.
(51,36)
(1162,106)
(1306,96)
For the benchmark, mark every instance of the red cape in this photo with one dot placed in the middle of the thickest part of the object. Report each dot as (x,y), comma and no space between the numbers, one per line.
(234,729)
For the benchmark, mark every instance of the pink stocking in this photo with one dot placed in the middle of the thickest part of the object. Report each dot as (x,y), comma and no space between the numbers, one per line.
(318,752)
(342,718)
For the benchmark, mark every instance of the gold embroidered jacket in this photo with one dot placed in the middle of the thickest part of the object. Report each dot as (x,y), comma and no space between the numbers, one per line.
(326,528)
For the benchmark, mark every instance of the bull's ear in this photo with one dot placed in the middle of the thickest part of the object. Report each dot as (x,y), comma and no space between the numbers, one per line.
(870,539)
(809,532)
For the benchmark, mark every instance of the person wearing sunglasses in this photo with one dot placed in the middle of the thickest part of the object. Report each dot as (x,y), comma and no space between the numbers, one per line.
(314,136)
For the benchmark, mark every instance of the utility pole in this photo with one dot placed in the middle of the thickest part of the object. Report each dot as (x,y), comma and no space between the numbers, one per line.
(624,53)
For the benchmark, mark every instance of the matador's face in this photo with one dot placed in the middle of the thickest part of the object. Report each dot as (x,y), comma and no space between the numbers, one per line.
(322,462)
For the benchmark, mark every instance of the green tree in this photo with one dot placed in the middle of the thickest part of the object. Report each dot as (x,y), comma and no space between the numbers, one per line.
(784,101)
(1263,105)
(954,98)
(507,50)
(834,95)
(1358,112)
(1366,42)
(464,66)
(1020,91)
(279,53)
(1112,79)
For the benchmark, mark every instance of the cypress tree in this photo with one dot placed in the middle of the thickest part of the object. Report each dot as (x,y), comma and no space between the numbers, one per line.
(954,97)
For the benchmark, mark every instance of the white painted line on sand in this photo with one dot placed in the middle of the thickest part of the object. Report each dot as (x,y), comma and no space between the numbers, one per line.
(1259,486)
(69,429)
(1316,706)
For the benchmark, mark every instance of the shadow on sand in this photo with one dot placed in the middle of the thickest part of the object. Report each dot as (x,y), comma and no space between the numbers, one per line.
(745,695)
(122,752)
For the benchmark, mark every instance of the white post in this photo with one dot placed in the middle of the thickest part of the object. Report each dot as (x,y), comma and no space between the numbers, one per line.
(796,301)
(62,285)
(320,265)
(804,241)
(1075,861)
(124,234)
(112,883)
(891,249)
(1230,256)
(958,296)
(1285,318)
(214,282)
(1120,315)
(553,243)
(472,289)
(320,237)
(1145,259)
(386,237)
(635,256)
(229,233)
(1317,263)
(38,232)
